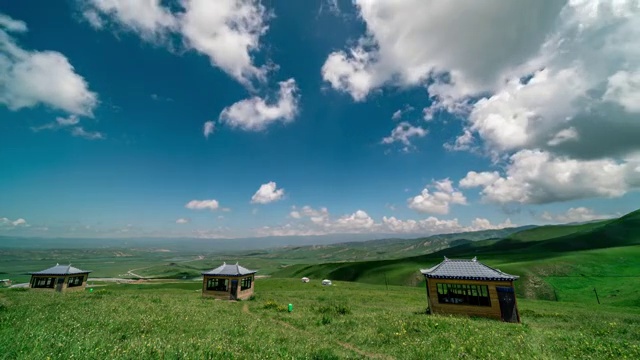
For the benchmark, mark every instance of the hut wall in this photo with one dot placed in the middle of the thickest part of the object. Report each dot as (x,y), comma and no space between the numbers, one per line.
(225,295)
(245,294)
(492,311)
(65,285)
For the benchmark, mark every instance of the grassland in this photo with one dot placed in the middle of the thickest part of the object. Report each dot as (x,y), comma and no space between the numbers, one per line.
(563,263)
(348,320)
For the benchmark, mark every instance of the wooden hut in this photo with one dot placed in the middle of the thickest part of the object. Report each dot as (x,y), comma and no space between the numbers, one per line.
(59,278)
(469,287)
(232,282)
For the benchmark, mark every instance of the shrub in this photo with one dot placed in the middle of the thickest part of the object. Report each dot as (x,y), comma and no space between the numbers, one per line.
(270,304)
(335,308)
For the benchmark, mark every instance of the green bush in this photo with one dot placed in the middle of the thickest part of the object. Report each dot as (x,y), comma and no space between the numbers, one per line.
(334,308)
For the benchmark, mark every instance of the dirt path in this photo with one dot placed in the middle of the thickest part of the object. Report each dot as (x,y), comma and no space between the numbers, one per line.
(345,345)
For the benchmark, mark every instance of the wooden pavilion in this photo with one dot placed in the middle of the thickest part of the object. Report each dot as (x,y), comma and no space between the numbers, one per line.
(60,278)
(232,282)
(469,287)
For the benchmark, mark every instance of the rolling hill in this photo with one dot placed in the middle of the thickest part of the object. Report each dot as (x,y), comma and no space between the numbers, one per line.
(605,253)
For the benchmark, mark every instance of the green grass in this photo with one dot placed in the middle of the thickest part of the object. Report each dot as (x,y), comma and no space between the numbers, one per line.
(347,320)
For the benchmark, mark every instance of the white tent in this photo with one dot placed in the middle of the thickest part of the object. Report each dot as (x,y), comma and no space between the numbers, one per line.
(326,282)
(305,279)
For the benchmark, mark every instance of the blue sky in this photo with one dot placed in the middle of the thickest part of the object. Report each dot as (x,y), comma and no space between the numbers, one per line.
(246,118)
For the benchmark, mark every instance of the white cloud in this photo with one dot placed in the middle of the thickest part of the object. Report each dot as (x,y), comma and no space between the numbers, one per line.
(255,114)
(208,128)
(463,142)
(68,124)
(267,193)
(28,72)
(474,179)
(148,18)
(433,225)
(399,113)
(564,135)
(560,87)
(408,41)
(439,201)
(358,221)
(624,88)
(78,131)
(11,224)
(183,221)
(226,31)
(579,214)
(202,204)
(68,121)
(12,25)
(403,134)
(537,177)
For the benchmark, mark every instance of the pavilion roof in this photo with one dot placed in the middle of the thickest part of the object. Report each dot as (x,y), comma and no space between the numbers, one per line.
(61,270)
(229,270)
(467,270)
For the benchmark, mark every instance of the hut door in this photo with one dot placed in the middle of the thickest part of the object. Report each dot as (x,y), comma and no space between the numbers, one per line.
(234,289)
(59,284)
(507,299)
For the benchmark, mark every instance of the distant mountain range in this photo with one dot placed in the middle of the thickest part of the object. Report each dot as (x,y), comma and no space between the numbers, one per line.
(384,243)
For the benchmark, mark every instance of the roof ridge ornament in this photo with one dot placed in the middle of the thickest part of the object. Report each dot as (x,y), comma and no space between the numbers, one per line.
(446,258)
(475,259)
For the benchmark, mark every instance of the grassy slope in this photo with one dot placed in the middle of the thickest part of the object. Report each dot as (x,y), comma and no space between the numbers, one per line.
(568,266)
(348,320)
(376,249)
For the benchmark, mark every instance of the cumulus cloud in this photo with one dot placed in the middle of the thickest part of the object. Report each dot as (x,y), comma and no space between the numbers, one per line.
(538,177)
(148,18)
(310,221)
(408,41)
(561,85)
(255,114)
(208,128)
(23,73)
(203,205)
(438,201)
(578,214)
(8,223)
(267,193)
(403,134)
(226,31)
(182,221)
(433,225)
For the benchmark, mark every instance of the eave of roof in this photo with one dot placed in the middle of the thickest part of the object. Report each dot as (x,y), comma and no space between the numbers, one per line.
(464,268)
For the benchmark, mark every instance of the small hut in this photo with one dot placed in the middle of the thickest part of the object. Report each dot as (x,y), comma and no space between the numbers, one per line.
(469,287)
(60,278)
(232,282)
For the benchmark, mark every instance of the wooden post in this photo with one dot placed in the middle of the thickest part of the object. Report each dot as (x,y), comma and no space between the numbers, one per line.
(597,298)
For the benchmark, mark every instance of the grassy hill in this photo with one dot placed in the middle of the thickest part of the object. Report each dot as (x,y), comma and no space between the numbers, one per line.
(556,262)
(379,249)
(344,321)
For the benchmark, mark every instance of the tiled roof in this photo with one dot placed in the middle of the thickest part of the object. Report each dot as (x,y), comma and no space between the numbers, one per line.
(61,270)
(230,270)
(467,270)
